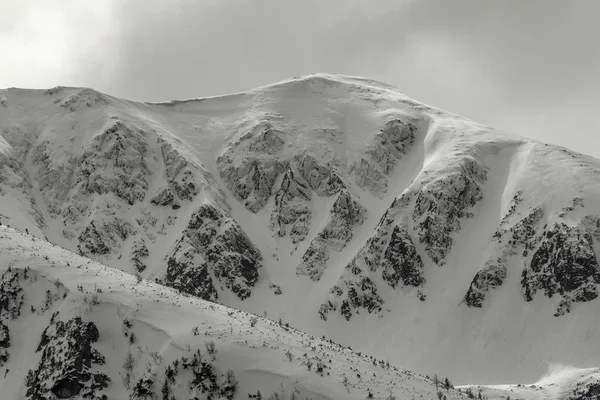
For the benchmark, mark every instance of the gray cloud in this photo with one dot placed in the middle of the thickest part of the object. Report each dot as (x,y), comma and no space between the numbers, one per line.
(529,67)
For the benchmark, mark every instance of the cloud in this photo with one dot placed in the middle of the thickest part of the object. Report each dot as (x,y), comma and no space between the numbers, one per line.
(529,67)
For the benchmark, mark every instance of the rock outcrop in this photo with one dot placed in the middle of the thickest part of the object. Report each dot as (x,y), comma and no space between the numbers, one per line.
(251,176)
(304,176)
(345,214)
(443,201)
(213,249)
(394,140)
(67,361)
(565,263)
(11,301)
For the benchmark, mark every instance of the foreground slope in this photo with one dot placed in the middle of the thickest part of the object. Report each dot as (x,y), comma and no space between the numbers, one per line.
(69,326)
(335,203)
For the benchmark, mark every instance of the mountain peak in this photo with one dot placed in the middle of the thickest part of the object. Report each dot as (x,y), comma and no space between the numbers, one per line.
(334,202)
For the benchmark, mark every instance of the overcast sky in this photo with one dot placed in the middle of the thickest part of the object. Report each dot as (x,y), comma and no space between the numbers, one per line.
(530,67)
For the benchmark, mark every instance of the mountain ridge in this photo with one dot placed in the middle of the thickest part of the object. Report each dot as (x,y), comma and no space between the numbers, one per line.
(358,199)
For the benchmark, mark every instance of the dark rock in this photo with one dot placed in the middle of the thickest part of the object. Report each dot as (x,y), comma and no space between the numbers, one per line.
(443,201)
(490,277)
(346,213)
(565,263)
(65,367)
(139,253)
(384,151)
(401,261)
(103,238)
(213,245)
(115,162)
(293,201)
(11,301)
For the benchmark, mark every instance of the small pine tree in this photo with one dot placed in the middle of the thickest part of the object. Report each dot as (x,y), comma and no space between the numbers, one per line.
(447,384)
(166,390)
(128,365)
(211,349)
(436,381)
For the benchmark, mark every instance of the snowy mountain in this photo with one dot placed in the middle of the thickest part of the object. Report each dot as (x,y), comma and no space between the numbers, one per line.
(73,328)
(335,203)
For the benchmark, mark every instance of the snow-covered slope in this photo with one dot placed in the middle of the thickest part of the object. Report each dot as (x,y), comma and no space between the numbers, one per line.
(72,327)
(335,203)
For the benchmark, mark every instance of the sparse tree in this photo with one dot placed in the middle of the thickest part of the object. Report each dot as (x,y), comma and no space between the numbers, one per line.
(166,390)
(128,365)
(289,355)
(436,381)
(447,384)
(440,395)
(211,349)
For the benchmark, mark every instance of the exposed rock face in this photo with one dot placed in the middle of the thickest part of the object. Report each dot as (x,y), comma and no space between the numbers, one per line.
(443,201)
(67,359)
(355,293)
(401,261)
(115,162)
(139,254)
(11,301)
(490,277)
(101,238)
(292,211)
(83,98)
(390,249)
(516,240)
(180,177)
(565,263)
(590,391)
(384,151)
(251,178)
(345,214)
(213,246)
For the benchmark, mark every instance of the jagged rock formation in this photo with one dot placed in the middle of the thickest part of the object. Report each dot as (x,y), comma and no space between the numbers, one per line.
(102,238)
(490,277)
(394,140)
(401,261)
(443,201)
(565,263)
(115,162)
(67,359)
(180,178)
(11,301)
(292,212)
(516,240)
(139,253)
(213,246)
(252,177)
(346,213)
(590,391)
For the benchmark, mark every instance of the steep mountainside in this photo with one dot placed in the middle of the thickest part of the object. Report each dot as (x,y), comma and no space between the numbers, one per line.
(335,203)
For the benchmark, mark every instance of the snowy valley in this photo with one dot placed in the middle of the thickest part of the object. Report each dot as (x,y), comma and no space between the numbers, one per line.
(327,234)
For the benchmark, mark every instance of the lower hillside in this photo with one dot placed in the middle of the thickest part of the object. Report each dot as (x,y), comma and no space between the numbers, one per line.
(73,328)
